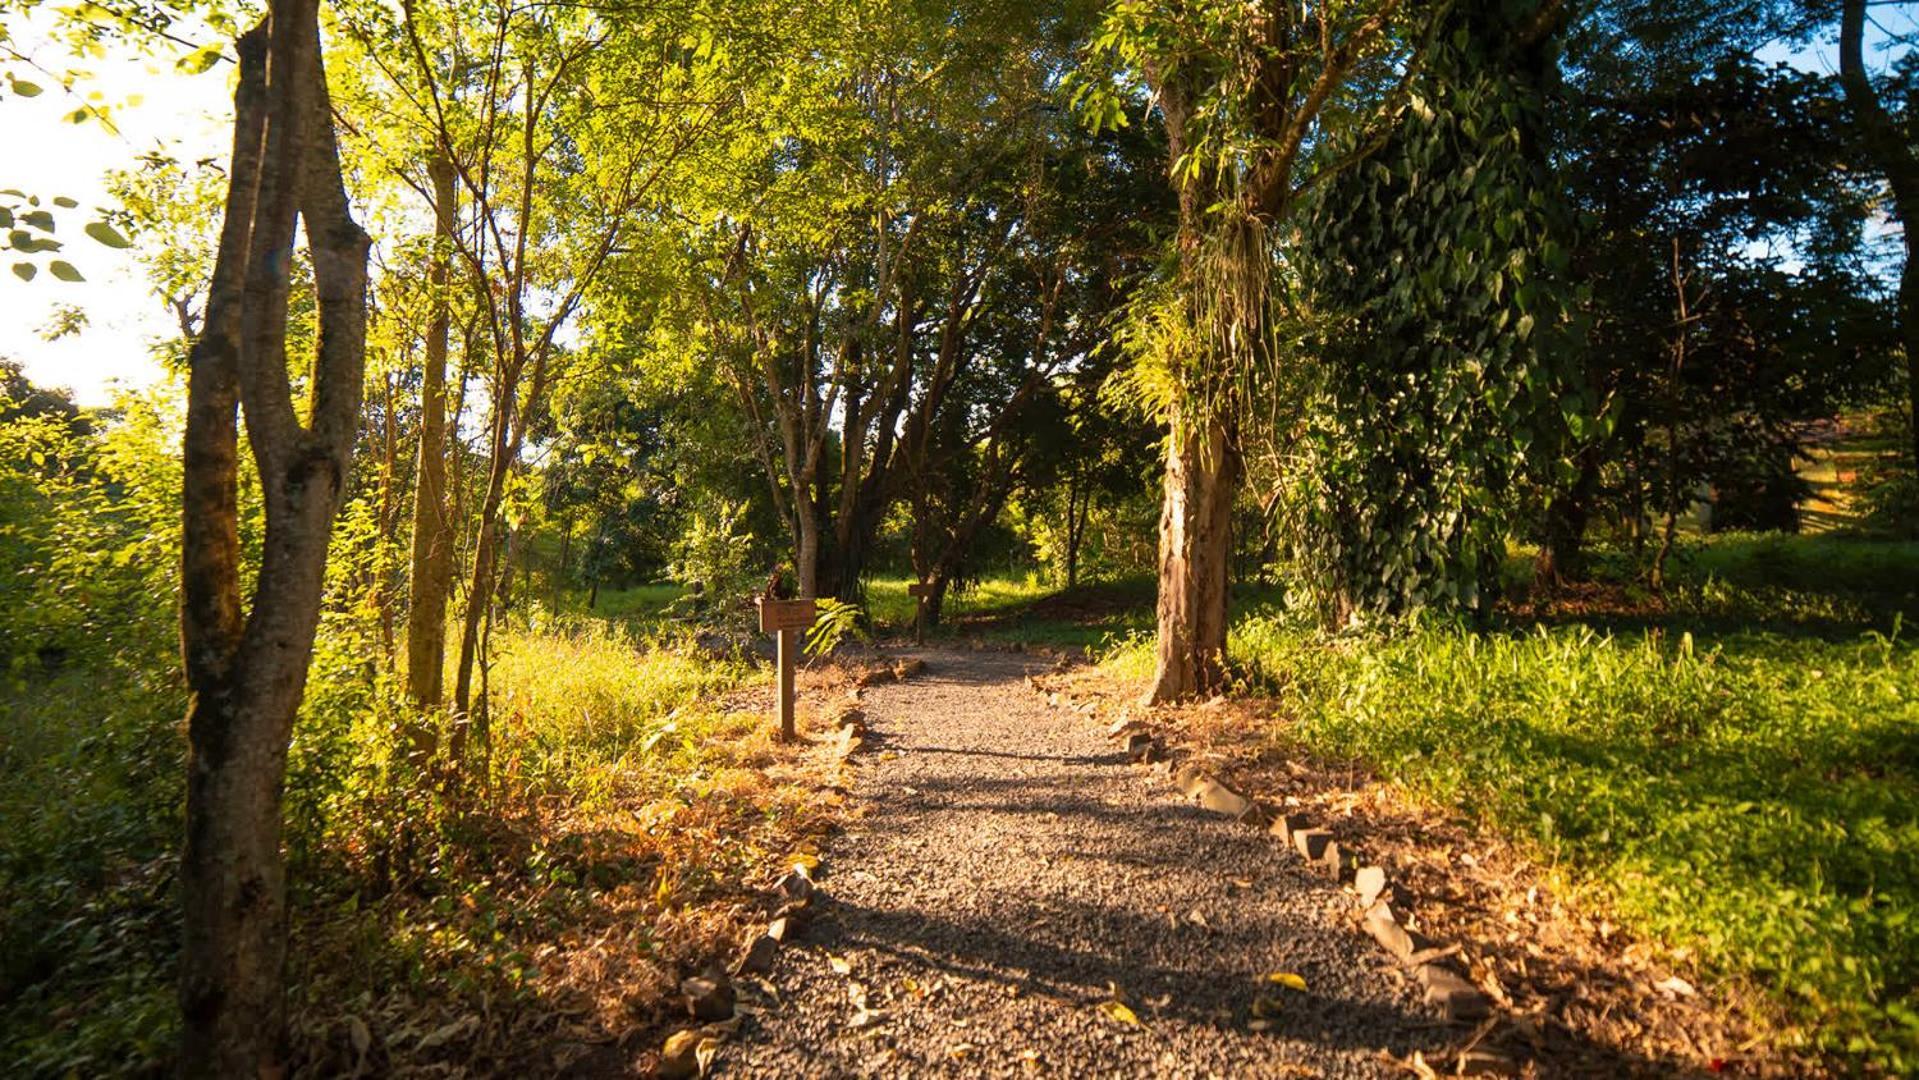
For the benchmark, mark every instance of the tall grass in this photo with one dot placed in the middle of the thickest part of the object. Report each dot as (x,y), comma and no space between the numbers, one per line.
(587,706)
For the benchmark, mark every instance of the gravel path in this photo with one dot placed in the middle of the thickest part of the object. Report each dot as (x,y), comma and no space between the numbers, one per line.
(1014,868)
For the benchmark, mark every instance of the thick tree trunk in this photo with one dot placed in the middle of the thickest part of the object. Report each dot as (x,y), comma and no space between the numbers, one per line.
(247,677)
(1562,554)
(806,554)
(1195,546)
(936,600)
(432,530)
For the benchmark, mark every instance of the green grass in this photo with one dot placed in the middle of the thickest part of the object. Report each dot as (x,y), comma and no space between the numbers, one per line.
(1024,610)
(637,604)
(588,706)
(1735,773)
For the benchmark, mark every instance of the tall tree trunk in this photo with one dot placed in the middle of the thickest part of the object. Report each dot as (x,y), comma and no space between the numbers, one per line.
(1675,501)
(384,585)
(247,674)
(1893,152)
(432,529)
(1195,547)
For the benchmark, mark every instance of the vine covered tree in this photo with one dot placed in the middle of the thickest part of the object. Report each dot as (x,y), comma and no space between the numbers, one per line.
(1436,272)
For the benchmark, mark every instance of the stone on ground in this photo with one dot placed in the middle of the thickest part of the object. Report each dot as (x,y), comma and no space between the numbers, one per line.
(708,997)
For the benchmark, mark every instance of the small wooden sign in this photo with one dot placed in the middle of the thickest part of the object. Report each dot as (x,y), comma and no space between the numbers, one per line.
(920,588)
(786,614)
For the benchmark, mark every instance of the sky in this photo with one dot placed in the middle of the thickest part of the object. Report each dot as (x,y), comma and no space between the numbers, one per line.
(189,117)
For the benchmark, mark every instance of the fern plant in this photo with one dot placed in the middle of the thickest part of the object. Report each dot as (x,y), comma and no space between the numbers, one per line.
(836,621)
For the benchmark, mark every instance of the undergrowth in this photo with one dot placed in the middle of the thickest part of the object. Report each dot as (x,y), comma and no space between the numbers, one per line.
(576,874)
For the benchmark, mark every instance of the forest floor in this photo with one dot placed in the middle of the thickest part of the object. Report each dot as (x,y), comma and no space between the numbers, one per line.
(1010,875)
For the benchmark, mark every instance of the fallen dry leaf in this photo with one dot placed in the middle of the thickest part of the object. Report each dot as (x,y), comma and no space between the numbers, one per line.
(1676,986)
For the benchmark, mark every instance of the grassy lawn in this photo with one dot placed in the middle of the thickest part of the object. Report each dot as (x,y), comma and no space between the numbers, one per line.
(1023,610)
(1732,767)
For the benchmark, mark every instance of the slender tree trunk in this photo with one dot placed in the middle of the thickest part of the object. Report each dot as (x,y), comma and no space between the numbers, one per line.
(385,587)
(1195,548)
(1075,525)
(1893,152)
(247,676)
(480,586)
(593,560)
(432,529)
(509,554)
(1674,499)
(566,549)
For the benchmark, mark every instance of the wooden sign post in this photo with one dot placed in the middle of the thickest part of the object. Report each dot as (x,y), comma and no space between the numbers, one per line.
(786,618)
(919,590)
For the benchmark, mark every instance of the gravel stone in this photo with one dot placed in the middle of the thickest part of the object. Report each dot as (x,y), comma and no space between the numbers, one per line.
(708,998)
(1013,875)
(1311,843)
(757,957)
(1370,881)
(1458,1000)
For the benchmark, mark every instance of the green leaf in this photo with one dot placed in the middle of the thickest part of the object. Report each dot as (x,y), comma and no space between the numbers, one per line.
(107,234)
(64,270)
(200,60)
(24,88)
(25,270)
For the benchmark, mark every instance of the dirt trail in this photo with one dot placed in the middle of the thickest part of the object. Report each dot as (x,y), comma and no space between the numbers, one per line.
(1012,868)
